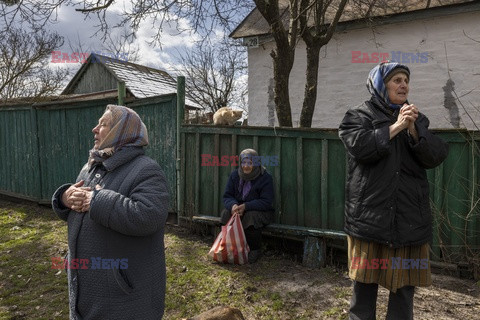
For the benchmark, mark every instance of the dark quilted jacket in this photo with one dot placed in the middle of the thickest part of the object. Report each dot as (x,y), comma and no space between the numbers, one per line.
(387,192)
(260,197)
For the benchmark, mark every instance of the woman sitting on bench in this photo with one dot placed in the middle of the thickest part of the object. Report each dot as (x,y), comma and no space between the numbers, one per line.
(249,193)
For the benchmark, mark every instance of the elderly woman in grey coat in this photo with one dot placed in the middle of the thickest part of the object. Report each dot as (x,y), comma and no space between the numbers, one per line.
(116,212)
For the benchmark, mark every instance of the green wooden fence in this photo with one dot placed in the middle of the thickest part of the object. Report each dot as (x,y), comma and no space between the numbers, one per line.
(310,179)
(19,169)
(45,145)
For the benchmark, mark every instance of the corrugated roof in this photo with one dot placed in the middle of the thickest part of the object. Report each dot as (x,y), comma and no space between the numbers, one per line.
(140,81)
(255,25)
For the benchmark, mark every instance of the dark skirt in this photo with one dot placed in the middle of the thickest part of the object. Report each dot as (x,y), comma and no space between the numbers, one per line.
(257,219)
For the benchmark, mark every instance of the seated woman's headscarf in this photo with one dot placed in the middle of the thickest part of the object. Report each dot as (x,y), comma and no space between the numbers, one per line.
(379,76)
(246,179)
(127,130)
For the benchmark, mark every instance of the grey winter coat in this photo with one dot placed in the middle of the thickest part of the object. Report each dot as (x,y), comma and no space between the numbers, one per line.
(125,223)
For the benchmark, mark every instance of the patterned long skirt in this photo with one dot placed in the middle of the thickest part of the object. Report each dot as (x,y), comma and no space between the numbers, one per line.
(392,268)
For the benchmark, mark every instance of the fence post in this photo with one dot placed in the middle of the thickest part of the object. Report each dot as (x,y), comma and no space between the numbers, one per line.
(36,155)
(314,252)
(121,93)
(180,116)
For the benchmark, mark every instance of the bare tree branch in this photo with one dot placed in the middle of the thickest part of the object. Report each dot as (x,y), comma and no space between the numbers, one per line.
(205,16)
(23,57)
(97,8)
(120,46)
(212,72)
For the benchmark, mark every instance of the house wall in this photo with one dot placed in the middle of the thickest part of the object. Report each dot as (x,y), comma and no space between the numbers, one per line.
(95,79)
(452,44)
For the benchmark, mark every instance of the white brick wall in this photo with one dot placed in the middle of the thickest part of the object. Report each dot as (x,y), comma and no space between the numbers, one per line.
(342,83)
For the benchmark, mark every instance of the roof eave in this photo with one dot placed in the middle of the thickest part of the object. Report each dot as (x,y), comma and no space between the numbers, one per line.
(468,6)
(232,34)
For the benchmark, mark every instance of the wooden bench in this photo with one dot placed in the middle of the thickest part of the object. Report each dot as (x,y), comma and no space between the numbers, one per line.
(314,239)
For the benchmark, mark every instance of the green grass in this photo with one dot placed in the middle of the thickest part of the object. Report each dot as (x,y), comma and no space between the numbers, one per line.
(30,236)
(276,287)
(335,313)
(342,292)
(30,289)
(196,284)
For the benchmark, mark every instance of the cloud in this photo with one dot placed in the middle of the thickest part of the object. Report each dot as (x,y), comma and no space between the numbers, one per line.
(79,32)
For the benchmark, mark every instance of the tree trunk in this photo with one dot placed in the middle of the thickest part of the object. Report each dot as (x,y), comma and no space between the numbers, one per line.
(281,70)
(315,38)
(283,55)
(310,95)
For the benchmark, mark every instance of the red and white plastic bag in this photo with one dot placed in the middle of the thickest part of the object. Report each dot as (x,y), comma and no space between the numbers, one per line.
(231,246)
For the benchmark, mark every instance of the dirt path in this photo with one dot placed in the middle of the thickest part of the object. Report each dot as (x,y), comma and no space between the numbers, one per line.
(325,293)
(275,288)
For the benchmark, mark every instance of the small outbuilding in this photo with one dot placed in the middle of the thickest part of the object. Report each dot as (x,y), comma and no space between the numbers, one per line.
(134,81)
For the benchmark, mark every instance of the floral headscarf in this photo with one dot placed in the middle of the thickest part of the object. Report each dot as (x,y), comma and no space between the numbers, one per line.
(127,130)
(376,81)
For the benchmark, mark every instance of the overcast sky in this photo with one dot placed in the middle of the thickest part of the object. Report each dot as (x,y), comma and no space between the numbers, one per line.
(75,29)
(82,35)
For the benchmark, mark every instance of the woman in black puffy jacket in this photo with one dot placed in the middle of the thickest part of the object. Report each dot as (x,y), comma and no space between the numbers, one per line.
(387,212)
